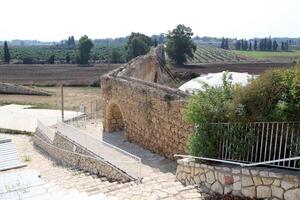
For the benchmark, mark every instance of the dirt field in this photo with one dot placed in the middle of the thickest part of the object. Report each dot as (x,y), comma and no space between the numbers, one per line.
(49,75)
(73,96)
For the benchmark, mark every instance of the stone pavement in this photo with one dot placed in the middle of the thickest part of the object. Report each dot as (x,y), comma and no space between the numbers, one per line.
(158,172)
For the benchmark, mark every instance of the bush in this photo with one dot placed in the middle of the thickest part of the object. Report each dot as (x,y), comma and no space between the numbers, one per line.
(274,96)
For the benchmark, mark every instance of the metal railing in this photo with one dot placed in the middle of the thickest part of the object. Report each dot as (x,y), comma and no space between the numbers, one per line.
(270,143)
(123,160)
(242,164)
(81,121)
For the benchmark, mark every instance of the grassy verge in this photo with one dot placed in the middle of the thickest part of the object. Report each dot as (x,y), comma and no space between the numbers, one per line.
(260,55)
(15,132)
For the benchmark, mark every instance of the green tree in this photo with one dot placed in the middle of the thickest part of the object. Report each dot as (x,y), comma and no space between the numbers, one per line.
(180,44)
(84,48)
(275,45)
(68,59)
(137,44)
(51,59)
(6,53)
(116,56)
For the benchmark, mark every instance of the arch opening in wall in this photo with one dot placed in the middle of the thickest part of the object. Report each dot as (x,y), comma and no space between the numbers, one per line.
(115,121)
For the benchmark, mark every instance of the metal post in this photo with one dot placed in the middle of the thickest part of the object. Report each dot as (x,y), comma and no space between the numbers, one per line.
(62,103)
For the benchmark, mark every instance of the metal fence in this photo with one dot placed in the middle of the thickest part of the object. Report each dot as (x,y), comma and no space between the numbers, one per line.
(259,142)
(123,160)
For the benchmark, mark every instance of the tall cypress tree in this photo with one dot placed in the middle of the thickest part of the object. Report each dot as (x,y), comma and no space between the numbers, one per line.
(223,43)
(255,45)
(275,45)
(226,46)
(6,53)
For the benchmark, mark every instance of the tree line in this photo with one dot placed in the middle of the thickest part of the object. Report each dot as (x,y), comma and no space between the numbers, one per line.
(264,44)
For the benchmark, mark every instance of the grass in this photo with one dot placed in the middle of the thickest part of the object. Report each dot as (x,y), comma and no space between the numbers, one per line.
(14,132)
(260,55)
(26,158)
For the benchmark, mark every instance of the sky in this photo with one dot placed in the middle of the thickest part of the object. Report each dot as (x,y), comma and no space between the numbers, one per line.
(54,20)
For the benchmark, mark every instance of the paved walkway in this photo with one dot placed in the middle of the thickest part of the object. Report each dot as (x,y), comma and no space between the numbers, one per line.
(158,172)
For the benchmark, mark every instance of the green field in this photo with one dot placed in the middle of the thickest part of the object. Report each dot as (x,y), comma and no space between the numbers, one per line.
(263,55)
(209,54)
(42,53)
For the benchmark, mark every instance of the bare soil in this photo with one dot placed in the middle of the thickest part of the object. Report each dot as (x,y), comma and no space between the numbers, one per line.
(51,75)
(73,97)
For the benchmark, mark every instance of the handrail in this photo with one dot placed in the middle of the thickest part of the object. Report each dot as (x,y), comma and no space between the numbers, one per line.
(125,152)
(96,146)
(238,163)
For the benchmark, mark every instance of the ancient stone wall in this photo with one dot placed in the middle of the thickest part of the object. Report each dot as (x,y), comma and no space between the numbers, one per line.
(261,183)
(149,113)
(69,153)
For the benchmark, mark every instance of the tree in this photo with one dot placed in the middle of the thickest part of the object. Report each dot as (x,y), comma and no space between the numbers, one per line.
(226,45)
(155,42)
(6,53)
(275,45)
(250,46)
(51,59)
(180,44)
(223,43)
(116,56)
(269,44)
(137,44)
(238,45)
(255,45)
(84,48)
(68,59)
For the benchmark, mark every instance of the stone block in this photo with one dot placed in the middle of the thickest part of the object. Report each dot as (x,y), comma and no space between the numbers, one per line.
(249,191)
(237,186)
(229,180)
(292,194)
(277,192)
(263,192)
(210,177)
(217,187)
(267,181)
(288,185)
(257,180)
(247,181)
(227,190)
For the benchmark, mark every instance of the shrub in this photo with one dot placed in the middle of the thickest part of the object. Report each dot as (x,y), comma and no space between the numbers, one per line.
(274,96)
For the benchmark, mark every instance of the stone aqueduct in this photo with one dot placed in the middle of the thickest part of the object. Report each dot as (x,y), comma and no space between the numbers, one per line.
(150,113)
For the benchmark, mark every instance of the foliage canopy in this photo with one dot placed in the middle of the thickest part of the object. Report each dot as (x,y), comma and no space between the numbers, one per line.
(84,48)
(180,44)
(137,44)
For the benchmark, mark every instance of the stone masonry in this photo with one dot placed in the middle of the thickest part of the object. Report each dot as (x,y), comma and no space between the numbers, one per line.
(149,113)
(261,183)
(72,154)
